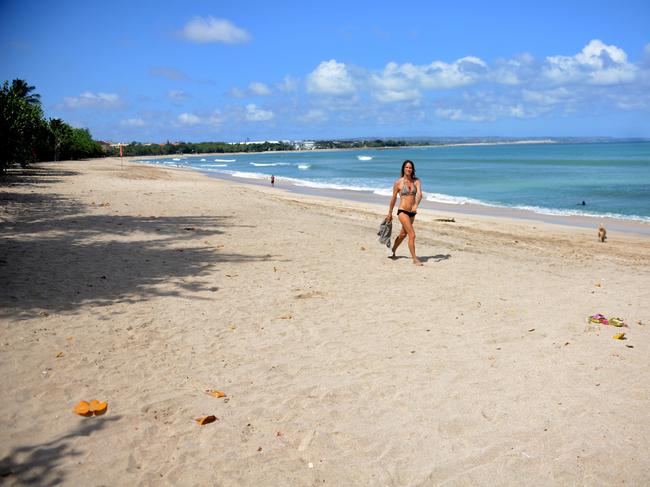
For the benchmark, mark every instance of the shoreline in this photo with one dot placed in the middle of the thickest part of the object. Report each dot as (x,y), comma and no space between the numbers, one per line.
(467,209)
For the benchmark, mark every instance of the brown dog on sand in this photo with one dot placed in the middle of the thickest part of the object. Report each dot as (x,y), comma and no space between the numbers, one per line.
(602,233)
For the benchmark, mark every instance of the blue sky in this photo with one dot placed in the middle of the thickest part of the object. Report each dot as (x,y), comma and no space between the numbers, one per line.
(195,71)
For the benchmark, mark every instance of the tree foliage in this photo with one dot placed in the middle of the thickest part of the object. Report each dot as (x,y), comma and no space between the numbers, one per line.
(26,136)
(25,91)
(21,123)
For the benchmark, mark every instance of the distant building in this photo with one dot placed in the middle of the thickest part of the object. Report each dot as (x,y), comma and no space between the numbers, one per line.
(304,145)
(251,142)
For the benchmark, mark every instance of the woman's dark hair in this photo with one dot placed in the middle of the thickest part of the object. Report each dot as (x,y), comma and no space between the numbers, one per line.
(404,165)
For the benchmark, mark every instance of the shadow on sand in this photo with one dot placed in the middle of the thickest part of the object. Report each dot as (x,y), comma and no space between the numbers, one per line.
(37,464)
(34,175)
(435,258)
(55,256)
(423,258)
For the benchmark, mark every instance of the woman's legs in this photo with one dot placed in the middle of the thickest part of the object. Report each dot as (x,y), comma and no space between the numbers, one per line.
(407,229)
(398,240)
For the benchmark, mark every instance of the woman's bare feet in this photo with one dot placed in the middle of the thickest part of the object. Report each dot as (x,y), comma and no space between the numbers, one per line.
(417,262)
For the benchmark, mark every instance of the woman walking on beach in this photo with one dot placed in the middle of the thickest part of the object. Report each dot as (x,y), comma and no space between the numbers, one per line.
(410,194)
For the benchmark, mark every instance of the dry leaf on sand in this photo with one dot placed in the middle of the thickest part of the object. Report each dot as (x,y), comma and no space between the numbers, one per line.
(206,420)
(83,409)
(98,407)
(95,407)
(215,393)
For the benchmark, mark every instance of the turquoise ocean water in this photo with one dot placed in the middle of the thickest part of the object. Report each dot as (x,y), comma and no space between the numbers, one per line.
(613,178)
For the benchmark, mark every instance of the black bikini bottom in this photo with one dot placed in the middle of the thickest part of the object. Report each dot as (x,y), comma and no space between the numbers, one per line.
(409,213)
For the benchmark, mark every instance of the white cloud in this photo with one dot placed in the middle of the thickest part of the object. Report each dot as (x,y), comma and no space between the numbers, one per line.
(133,122)
(632,101)
(513,71)
(288,84)
(517,111)
(468,90)
(462,72)
(488,106)
(177,95)
(189,119)
(394,86)
(593,54)
(403,82)
(314,115)
(390,96)
(255,114)
(92,100)
(330,78)
(561,69)
(212,118)
(438,74)
(237,93)
(597,64)
(549,97)
(211,29)
(457,114)
(255,88)
(260,89)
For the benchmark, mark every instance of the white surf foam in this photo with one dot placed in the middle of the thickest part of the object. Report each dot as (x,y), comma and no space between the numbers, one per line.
(270,164)
(383,192)
(246,175)
(328,185)
(364,158)
(559,212)
(225,160)
(452,200)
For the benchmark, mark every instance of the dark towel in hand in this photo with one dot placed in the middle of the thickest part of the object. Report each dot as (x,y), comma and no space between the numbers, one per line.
(384,232)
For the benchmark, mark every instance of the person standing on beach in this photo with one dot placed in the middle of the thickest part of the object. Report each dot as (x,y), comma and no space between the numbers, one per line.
(272,180)
(409,189)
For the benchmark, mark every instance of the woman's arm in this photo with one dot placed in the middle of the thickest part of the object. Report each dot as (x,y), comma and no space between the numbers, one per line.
(418,197)
(392,201)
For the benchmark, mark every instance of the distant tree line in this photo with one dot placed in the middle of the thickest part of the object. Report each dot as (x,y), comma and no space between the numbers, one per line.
(138,149)
(360,144)
(27,136)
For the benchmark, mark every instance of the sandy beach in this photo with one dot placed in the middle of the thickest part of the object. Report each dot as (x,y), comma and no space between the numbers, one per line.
(146,286)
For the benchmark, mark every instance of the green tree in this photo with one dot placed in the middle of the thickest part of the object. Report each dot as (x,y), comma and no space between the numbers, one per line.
(21,124)
(82,145)
(23,90)
(61,134)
